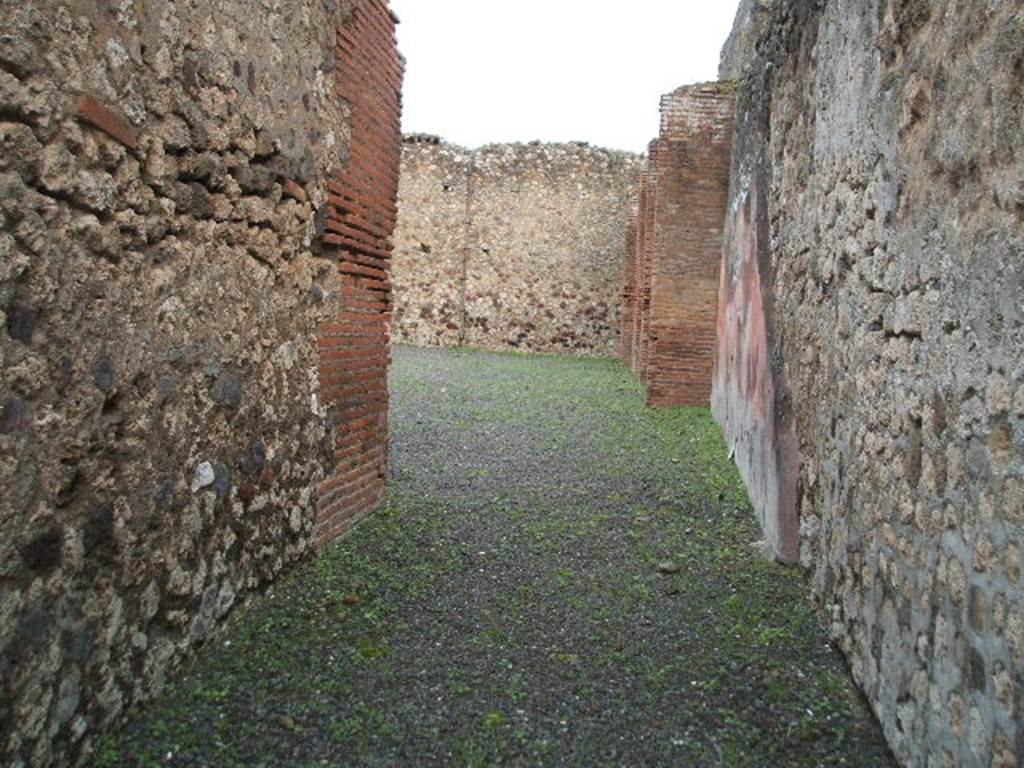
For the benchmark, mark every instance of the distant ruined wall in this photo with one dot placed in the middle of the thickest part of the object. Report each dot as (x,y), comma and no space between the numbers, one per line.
(166,298)
(515,246)
(430,243)
(670,282)
(870,344)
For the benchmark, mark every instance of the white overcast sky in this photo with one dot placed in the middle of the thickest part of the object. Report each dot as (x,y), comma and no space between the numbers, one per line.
(480,71)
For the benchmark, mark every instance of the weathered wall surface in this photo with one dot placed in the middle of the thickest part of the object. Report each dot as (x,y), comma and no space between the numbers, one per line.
(512,246)
(671,277)
(431,243)
(871,335)
(163,428)
(739,50)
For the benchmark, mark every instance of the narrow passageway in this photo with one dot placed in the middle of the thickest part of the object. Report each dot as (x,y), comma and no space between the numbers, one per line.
(560,577)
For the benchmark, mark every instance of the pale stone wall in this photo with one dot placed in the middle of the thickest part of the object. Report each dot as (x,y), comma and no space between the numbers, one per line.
(738,51)
(517,246)
(430,241)
(871,335)
(161,286)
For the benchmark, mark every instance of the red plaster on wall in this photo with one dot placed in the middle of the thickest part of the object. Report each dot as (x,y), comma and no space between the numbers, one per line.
(763,438)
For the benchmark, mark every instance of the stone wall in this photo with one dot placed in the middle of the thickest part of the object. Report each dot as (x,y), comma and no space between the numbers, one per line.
(739,49)
(670,289)
(163,283)
(871,333)
(511,246)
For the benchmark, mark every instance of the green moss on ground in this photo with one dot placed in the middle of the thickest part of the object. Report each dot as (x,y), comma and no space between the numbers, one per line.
(560,576)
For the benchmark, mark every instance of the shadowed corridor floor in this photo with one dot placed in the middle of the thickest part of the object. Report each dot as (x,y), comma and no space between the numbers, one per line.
(560,577)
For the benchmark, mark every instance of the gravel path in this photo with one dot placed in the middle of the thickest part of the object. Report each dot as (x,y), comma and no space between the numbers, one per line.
(560,577)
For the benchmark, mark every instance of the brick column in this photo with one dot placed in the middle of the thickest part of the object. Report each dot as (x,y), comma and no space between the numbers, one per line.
(691,165)
(360,221)
(627,331)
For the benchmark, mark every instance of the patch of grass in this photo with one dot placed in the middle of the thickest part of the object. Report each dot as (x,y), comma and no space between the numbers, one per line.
(495,719)
(370,651)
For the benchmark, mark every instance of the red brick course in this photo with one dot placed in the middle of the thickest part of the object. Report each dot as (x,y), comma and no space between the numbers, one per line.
(670,293)
(361,214)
